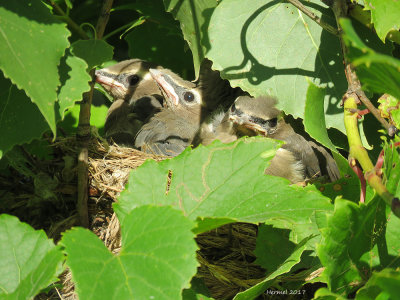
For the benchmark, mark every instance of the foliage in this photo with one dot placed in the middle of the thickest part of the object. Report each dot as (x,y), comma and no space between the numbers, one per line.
(264,47)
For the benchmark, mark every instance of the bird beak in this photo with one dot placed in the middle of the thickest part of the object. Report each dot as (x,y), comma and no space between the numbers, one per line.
(108,81)
(246,126)
(166,84)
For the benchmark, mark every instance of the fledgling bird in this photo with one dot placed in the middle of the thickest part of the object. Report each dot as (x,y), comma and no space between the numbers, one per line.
(297,160)
(170,131)
(136,98)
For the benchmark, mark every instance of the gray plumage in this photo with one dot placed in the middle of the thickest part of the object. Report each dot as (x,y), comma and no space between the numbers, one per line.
(298,159)
(136,98)
(173,129)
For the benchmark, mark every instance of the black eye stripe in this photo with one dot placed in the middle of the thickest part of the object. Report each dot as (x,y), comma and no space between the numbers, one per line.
(261,121)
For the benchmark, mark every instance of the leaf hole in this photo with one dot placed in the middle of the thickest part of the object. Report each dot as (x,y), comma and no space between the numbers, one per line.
(169,180)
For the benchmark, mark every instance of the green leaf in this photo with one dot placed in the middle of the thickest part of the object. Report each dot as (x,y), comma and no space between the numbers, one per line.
(315,126)
(275,253)
(97,118)
(389,107)
(348,235)
(194,17)
(32,42)
(381,285)
(314,116)
(325,294)
(29,261)
(378,72)
(272,48)
(157,258)
(74,82)
(223,181)
(94,52)
(20,119)
(385,16)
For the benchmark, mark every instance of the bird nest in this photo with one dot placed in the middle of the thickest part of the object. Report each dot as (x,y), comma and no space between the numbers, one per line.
(225,254)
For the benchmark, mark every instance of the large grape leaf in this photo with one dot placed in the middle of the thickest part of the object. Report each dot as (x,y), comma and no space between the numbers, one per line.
(348,236)
(28,262)
(20,119)
(377,72)
(194,17)
(224,181)
(32,42)
(385,15)
(270,47)
(157,258)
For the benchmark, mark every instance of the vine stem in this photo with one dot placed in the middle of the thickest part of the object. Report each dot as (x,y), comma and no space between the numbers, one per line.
(314,17)
(83,134)
(350,102)
(68,20)
(360,94)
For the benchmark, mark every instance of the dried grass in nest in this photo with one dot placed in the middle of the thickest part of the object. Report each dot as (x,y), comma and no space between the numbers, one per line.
(227,260)
(226,254)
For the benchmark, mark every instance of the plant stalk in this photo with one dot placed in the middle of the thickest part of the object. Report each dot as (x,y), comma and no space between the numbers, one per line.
(350,102)
(83,134)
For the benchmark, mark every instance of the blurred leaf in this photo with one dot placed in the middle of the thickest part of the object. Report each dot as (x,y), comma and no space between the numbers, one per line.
(381,285)
(94,52)
(325,294)
(29,261)
(385,15)
(157,258)
(275,253)
(155,43)
(31,46)
(202,178)
(194,17)
(348,235)
(20,119)
(377,72)
(74,82)
(273,49)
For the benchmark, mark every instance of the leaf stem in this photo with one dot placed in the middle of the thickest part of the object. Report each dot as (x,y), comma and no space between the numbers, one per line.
(350,102)
(83,133)
(68,20)
(314,17)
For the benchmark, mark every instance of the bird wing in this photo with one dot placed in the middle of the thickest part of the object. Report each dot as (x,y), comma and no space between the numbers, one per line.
(165,134)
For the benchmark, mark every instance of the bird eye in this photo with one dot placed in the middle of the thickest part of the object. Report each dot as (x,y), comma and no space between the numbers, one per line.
(188,96)
(133,79)
(273,122)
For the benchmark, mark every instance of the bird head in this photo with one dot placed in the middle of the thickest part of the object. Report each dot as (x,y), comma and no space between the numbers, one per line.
(255,116)
(178,93)
(129,79)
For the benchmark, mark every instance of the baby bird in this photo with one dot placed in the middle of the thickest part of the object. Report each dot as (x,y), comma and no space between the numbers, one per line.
(171,130)
(297,160)
(136,98)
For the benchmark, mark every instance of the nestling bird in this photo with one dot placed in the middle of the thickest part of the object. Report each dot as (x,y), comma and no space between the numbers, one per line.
(136,98)
(297,160)
(170,131)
